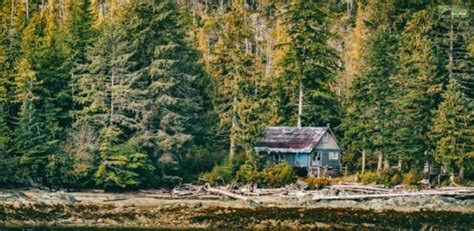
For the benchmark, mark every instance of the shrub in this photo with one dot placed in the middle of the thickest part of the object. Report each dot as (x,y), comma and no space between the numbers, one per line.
(248,173)
(317,182)
(171,181)
(278,175)
(220,174)
(411,178)
(390,177)
(368,178)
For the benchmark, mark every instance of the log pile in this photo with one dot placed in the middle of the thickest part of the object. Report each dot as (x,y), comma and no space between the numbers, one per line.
(456,192)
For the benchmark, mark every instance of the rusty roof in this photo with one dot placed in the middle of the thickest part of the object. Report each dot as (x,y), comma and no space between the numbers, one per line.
(290,139)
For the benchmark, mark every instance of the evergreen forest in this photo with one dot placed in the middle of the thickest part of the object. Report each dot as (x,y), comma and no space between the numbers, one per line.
(131,94)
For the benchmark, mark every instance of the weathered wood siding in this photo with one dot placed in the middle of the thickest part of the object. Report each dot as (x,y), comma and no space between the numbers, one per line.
(331,144)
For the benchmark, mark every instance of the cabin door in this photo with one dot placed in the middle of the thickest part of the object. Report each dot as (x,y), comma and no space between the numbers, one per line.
(317,158)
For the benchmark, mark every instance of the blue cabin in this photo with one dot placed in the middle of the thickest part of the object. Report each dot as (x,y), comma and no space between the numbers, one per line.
(313,148)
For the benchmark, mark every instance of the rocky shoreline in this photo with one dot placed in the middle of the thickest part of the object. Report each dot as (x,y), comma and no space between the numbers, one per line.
(41,209)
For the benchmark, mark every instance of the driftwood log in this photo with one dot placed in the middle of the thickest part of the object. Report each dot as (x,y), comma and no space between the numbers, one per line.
(231,195)
(447,193)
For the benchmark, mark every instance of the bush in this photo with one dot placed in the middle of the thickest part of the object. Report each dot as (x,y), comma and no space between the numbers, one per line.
(220,174)
(411,178)
(368,178)
(317,182)
(278,175)
(390,177)
(248,173)
(171,181)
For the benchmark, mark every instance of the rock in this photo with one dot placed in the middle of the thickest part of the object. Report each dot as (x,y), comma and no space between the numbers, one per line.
(197,205)
(111,222)
(100,220)
(68,198)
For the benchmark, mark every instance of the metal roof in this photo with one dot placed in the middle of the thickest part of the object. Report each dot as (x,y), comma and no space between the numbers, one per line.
(290,139)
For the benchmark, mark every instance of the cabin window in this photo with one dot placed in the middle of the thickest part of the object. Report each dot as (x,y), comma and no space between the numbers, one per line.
(325,137)
(333,155)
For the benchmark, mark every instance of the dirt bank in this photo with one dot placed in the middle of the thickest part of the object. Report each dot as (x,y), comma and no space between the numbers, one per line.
(27,208)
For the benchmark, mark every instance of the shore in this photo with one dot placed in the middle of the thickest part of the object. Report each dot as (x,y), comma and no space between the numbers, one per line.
(138,210)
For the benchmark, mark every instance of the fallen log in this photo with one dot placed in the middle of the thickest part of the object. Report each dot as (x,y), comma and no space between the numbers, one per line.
(232,195)
(361,188)
(392,195)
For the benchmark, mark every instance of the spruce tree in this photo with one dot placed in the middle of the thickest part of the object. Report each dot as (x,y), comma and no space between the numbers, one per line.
(110,103)
(365,124)
(310,65)
(453,129)
(178,108)
(6,162)
(240,97)
(416,87)
(42,94)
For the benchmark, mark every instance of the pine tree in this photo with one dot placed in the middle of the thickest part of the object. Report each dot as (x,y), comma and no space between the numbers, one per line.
(175,87)
(453,129)
(453,36)
(6,162)
(365,123)
(79,28)
(34,137)
(107,97)
(311,66)
(42,94)
(240,99)
(416,88)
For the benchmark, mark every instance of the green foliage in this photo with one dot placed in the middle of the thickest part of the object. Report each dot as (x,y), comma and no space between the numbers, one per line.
(221,174)
(115,94)
(390,177)
(120,166)
(453,128)
(368,178)
(411,178)
(310,63)
(419,84)
(278,175)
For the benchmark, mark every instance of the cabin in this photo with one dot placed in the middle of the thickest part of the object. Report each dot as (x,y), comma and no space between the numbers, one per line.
(314,149)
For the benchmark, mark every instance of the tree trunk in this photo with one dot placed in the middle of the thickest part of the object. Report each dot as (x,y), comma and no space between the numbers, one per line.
(386,164)
(379,162)
(461,173)
(27,9)
(234,125)
(300,105)
(112,86)
(400,163)
(363,161)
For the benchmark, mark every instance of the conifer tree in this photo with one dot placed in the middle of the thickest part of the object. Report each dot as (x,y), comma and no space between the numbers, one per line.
(365,123)
(453,129)
(239,98)
(416,88)
(310,66)
(42,94)
(6,162)
(174,85)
